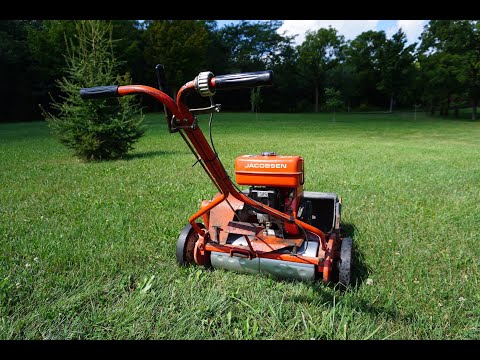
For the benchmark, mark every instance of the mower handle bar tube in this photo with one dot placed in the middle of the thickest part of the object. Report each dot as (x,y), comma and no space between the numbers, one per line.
(229,81)
(197,138)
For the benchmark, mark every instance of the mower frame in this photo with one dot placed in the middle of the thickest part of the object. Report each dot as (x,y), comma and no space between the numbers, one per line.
(181,119)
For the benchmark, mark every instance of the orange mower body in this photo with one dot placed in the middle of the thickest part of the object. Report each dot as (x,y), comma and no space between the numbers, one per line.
(243,239)
(274,227)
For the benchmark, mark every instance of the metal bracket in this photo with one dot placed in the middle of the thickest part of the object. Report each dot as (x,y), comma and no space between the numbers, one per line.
(176,127)
(172,127)
(217,233)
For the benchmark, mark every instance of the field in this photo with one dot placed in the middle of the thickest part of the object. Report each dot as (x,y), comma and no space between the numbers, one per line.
(87,250)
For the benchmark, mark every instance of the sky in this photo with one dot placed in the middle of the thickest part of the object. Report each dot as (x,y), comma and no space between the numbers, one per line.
(349,28)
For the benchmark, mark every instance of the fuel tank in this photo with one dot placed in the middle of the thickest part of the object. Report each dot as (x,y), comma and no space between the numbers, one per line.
(269,169)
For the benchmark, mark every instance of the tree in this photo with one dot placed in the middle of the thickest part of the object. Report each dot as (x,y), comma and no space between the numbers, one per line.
(362,56)
(180,45)
(15,60)
(458,37)
(217,52)
(286,95)
(94,129)
(32,56)
(345,78)
(318,54)
(395,61)
(438,78)
(47,46)
(256,99)
(254,46)
(333,99)
(129,49)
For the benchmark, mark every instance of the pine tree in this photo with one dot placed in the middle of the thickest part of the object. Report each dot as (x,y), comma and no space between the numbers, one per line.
(97,129)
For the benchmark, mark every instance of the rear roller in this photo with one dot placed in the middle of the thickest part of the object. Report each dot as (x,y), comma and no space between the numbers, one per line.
(186,245)
(345,262)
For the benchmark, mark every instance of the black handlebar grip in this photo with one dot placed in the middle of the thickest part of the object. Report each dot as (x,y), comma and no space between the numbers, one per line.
(99,92)
(249,79)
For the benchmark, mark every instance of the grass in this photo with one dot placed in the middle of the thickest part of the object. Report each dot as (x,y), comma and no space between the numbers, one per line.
(88,249)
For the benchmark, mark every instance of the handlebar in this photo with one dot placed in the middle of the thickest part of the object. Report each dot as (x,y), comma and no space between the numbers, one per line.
(205,83)
(99,92)
(248,79)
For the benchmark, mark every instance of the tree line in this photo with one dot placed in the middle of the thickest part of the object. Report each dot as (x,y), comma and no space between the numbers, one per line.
(440,72)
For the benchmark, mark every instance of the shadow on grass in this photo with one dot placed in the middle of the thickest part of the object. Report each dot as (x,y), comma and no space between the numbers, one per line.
(360,273)
(150,154)
(360,270)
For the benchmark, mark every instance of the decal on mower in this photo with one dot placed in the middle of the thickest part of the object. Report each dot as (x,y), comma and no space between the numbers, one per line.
(266,166)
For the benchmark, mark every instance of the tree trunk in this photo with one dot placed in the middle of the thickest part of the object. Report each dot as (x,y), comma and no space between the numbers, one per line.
(316,98)
(456,111)
(441,110)
(348,105)
(252,104)
(391,103)
(448,106)
(474,109)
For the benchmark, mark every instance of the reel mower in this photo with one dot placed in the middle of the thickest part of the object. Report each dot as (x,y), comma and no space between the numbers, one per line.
(274,227)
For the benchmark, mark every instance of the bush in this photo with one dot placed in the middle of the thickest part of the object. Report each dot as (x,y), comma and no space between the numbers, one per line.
(304,105)
(363,107)
(94,129)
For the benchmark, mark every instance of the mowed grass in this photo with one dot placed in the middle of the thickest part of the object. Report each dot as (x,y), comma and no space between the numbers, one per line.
(88,249)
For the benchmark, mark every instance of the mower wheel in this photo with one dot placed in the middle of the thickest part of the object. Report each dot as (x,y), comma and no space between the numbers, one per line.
(186,245)
(345,262)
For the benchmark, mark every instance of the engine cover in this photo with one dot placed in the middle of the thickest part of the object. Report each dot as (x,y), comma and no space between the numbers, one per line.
(269,169)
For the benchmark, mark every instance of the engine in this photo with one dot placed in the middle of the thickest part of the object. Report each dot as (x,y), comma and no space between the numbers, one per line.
(276,181)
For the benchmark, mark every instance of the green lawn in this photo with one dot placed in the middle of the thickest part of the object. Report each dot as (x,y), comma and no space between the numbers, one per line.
(88,249)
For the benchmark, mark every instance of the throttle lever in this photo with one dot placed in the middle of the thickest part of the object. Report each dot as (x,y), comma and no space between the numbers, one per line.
(206,110)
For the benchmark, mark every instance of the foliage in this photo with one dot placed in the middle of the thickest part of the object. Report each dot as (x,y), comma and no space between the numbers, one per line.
(256,98)
(127,37)
(180,45)
(318,54)
(362,55)
(15,60)
(395,62)
(253,46)
(457,41)
(94,129)
(47,45)
(333,100)
(439,81)
(346,80)
(371,69)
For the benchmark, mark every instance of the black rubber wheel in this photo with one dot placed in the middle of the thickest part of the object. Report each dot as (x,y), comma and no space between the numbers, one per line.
(345,262)
(186,245)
